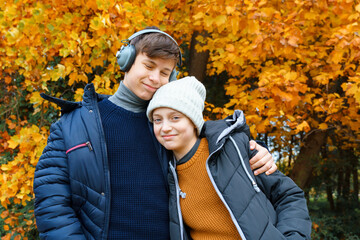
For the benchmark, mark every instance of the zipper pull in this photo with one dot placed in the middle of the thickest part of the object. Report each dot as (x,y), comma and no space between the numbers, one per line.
(182,194)
(89,146)
(257,189)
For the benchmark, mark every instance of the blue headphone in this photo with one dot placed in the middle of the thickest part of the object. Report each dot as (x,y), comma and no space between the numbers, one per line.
(127,53)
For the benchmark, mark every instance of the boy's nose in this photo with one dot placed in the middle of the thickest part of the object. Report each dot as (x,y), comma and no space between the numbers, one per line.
(155,77)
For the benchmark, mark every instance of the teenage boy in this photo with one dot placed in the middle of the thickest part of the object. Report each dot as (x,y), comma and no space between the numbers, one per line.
(102,174)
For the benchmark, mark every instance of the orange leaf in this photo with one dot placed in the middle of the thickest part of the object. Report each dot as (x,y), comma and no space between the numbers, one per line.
(293,41)
(357,8)
(315,226)
(283,95)
(304,126)
(6,227)
(323,126)
(253,27)
(230,48)
(7,80)
(4,214)
(12,144)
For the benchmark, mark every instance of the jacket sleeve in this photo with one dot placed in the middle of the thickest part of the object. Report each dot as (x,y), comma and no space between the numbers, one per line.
(293,219)
(55,218)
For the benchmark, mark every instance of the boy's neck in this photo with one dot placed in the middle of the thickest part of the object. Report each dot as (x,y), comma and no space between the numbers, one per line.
(126,99)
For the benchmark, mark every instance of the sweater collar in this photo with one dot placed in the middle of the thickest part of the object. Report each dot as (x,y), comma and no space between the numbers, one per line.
(190,154)
(126,99)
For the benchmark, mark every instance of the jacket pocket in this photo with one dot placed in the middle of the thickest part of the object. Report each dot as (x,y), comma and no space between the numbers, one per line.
(86,144)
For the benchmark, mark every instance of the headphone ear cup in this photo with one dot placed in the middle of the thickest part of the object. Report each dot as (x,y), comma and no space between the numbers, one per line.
(125,57)
(173,75)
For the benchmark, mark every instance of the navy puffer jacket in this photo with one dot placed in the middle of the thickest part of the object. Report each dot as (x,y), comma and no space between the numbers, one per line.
(72,182)
(261,207)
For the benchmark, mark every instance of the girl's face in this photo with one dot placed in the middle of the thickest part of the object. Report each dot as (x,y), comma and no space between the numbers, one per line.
(174,131)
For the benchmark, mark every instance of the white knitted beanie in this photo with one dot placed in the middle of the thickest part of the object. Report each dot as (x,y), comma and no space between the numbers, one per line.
(186,95)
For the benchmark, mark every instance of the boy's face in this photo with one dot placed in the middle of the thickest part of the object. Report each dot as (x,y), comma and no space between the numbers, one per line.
(174,131)
(146,75)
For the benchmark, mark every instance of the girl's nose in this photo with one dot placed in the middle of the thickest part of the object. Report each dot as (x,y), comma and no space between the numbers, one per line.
(166,127)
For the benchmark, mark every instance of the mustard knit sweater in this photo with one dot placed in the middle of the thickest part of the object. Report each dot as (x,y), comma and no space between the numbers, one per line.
(202,209)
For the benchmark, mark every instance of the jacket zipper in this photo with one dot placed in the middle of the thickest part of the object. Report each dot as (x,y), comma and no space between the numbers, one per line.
(221,196)
(178,194)
(255,186)
(105,161)
(87,144)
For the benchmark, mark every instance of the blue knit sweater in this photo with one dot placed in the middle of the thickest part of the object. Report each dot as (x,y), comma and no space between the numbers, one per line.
(139,200)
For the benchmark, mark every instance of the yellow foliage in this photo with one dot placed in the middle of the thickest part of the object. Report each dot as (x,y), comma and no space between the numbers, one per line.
(304,126)
(283,60)
(323,126)
(30,142)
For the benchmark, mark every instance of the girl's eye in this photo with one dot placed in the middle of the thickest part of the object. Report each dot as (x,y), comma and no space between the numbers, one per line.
(156,120)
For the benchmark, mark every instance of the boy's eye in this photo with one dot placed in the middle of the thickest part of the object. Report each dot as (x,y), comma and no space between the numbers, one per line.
(165,74)
(148,66)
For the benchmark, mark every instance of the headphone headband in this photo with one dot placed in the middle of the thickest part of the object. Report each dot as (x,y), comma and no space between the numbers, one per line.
(144,31)
(150,31)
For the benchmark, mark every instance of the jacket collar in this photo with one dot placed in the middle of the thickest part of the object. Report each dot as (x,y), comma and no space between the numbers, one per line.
(218,131)
(90,96)
(67,106)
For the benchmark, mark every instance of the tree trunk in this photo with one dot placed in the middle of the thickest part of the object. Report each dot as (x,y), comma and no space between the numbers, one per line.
(340,181)
(327,180)
(355,177)
(356,185)
(291,152)
(340,184)
(346,187)
(309,153)
(330,197)
(198,60)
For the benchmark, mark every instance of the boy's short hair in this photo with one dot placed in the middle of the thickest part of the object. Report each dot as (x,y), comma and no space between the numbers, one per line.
(156,45)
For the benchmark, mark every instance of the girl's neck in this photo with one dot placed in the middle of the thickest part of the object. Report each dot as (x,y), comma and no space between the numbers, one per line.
(186,155)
